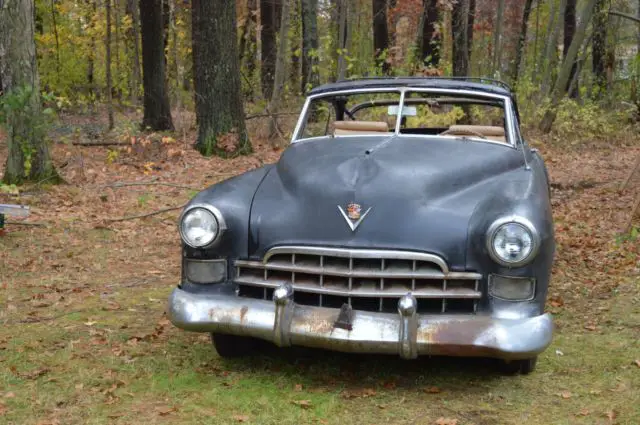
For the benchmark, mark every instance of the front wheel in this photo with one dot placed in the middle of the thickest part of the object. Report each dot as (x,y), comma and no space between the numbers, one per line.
(231,346)
(524,367)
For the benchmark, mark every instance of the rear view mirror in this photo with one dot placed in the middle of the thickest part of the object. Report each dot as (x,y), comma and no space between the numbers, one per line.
(407,111)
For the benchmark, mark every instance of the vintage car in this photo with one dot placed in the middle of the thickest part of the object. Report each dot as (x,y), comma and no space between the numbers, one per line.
(408,216)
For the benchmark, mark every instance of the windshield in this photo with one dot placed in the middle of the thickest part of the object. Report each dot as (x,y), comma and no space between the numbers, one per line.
(455,115)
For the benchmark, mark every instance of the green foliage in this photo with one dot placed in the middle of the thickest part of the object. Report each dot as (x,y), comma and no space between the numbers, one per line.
(21,115)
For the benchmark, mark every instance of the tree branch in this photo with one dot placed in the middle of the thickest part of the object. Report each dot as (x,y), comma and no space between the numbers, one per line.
(133,217)
(624,15)
(152,183)
(25,223)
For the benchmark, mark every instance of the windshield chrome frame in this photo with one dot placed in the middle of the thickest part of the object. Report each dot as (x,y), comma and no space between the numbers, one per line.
(508,112)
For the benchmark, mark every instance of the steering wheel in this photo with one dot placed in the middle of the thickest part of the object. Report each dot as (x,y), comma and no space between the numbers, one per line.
(463,132)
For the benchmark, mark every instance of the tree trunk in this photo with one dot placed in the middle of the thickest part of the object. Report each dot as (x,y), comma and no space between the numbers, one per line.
(380,34)
(280,71)
(157,114)
(460,50)
(116,45)
(132,35)
(91,55)
(107,64)
(310,45)
(569,33)
(599,47)
(295,35)
(28,158)
(270,16)
(56,37)
(521,41)
(431,39)
(219,112)
(497,39)
(564,77)
(343,14)
(551,47)
(471,18)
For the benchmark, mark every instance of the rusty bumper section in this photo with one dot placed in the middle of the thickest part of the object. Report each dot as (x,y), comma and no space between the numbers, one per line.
(408,334)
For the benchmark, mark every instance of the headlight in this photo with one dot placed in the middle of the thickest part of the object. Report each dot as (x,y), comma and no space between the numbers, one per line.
(200,226)
(512,241)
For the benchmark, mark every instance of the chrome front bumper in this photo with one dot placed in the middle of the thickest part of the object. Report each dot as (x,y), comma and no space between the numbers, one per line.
(407,333)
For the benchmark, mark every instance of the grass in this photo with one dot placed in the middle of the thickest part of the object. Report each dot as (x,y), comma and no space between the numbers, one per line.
(84,339)
(94,371)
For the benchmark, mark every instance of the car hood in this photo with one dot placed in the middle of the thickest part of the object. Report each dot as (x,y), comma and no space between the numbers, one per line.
(419,193)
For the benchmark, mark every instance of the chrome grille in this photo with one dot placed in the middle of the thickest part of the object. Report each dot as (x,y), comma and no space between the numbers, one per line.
(370,280)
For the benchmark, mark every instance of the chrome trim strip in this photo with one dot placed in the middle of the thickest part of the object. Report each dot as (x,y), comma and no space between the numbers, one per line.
(430,293)
(358,253)
(310,326)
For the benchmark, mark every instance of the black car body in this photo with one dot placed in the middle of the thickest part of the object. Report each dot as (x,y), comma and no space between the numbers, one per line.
(406,237)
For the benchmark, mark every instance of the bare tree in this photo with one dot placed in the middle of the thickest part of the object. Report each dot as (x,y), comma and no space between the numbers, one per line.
(157,114)
(270,17)
(132,40)
(564,75)
(460,49)
(281,70)
(107,42)
(431,40)
(521,41)
(380,34)
(569,33)
(343,16)
(28,158)
(310,44)
(497,38)
(219,112)
(599,46)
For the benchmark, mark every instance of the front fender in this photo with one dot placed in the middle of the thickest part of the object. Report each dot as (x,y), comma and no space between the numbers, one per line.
(233,197)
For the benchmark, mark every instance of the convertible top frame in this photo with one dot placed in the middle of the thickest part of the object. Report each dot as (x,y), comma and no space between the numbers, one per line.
(512,135)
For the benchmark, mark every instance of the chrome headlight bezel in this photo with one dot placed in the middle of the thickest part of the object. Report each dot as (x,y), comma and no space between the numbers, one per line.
(521,221)
(217,215)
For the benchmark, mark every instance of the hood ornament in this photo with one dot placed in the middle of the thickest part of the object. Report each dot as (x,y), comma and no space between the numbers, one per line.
(353,216)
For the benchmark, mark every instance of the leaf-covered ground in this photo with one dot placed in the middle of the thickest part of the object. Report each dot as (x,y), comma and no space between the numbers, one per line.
(84,338)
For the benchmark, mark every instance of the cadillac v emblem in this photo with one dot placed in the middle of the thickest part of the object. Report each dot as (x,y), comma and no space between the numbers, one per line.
(353,216)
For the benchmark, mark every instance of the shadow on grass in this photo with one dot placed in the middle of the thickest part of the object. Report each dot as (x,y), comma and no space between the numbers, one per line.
(322,367)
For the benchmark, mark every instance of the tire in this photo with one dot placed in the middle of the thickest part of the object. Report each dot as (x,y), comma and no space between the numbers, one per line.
(233,346)
(524,367)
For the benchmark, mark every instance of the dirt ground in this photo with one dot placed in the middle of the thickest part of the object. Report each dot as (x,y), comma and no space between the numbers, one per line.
(84,338)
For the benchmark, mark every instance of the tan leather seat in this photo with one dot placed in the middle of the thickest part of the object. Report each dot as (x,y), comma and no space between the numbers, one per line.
(491,132)
(347,128)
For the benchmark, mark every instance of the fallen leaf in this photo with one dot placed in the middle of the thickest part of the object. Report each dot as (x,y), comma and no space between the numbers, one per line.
(30,375)
(446,421)
(565,394)
(556,301)
(637,362)
(297,387)
(3,409)
(583,412)
(79,386)
(432,390)
(240,418)
(559,353)
(305,404)
(164,411)
(611,415)
(389,385)
(114,416)
(590,327)
(10,394)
